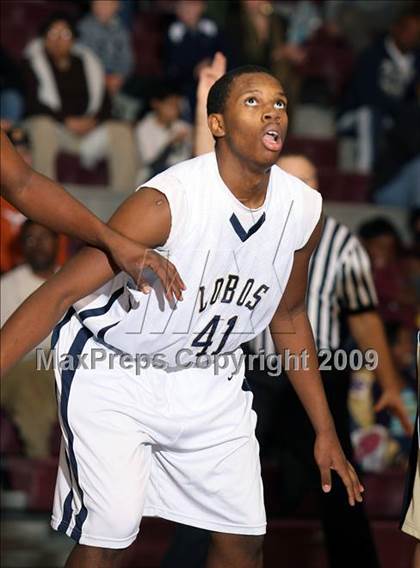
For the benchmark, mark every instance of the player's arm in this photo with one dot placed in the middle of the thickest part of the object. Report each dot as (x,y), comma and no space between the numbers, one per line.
(144,217)
(291,330)
(49,204)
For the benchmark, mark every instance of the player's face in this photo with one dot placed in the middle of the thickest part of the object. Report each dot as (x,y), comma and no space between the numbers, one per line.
(255,118)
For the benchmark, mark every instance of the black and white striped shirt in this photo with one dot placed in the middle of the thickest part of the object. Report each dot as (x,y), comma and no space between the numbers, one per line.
(340,283)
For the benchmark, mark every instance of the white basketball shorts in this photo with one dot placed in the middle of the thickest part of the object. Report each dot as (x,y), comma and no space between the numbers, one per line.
(179,445)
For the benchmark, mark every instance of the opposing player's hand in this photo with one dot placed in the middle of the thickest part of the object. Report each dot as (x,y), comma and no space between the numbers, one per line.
(391,400)
(328,456)
(133,258)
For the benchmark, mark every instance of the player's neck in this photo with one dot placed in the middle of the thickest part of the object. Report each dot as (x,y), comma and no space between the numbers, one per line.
(247,183)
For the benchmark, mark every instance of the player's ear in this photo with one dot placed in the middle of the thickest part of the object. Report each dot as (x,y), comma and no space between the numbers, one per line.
(217,125)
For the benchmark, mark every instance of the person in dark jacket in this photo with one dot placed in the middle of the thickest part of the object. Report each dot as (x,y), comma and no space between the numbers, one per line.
(68,107)
(386,78)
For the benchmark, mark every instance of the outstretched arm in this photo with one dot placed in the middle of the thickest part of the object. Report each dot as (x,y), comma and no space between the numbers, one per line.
(49,204)
(83,274)
(290,329)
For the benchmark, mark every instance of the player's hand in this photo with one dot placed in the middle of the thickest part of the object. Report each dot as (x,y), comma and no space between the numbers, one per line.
(391,400)
(133,258)
(209,74)
(328,456)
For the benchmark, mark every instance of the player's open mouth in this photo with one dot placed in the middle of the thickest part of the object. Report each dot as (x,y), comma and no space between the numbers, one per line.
(272,140)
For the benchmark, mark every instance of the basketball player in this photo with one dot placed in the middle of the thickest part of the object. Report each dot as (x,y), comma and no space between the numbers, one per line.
(174,436)
(47,203)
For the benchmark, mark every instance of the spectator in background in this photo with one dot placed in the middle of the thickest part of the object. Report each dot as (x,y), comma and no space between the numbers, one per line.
(397,169)
(191,41)
(104,33)
(28,394)
(258,37)
(413,260)
(69,109)
(39,246)
(11,87)
(401,340)
(384,246)
(163,139)
(383,81)
(11,219)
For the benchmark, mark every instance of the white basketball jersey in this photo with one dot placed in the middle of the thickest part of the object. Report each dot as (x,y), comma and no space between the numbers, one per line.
(235,263)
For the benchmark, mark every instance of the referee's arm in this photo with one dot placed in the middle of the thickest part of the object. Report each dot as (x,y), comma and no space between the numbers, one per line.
(360,303)
(290,329)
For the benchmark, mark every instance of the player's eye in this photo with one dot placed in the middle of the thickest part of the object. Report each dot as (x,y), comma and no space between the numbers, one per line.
(279,105)
(251,101)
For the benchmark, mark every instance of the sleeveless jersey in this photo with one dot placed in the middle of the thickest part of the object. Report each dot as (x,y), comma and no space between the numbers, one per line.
(235,263)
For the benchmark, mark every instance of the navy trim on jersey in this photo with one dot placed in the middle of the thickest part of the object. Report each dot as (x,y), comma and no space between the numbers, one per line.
(67,511)
(84,314)
(67,376)
(240,231)
(56,333)
(245,385)
(101,333)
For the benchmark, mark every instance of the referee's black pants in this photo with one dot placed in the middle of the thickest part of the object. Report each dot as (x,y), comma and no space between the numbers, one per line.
(285,432)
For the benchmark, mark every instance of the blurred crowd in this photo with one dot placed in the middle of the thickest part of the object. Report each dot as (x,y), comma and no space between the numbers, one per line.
(110,86)
(97,79)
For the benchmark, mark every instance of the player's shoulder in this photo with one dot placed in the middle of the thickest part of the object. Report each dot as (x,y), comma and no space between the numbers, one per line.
(199,164)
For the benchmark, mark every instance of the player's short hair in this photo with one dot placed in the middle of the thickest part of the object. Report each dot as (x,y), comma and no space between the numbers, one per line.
(219,93)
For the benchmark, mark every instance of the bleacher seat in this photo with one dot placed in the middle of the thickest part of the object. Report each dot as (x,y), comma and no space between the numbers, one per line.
(329,59)
(321,151)
(342,186)
(70,170)
(20,21)
(34,477)
(10,442)
(147,37)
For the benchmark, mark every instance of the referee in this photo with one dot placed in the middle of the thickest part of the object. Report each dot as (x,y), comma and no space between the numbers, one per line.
(341,300)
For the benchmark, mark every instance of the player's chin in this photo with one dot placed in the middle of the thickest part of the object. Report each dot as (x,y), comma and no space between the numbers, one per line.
(268,158)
